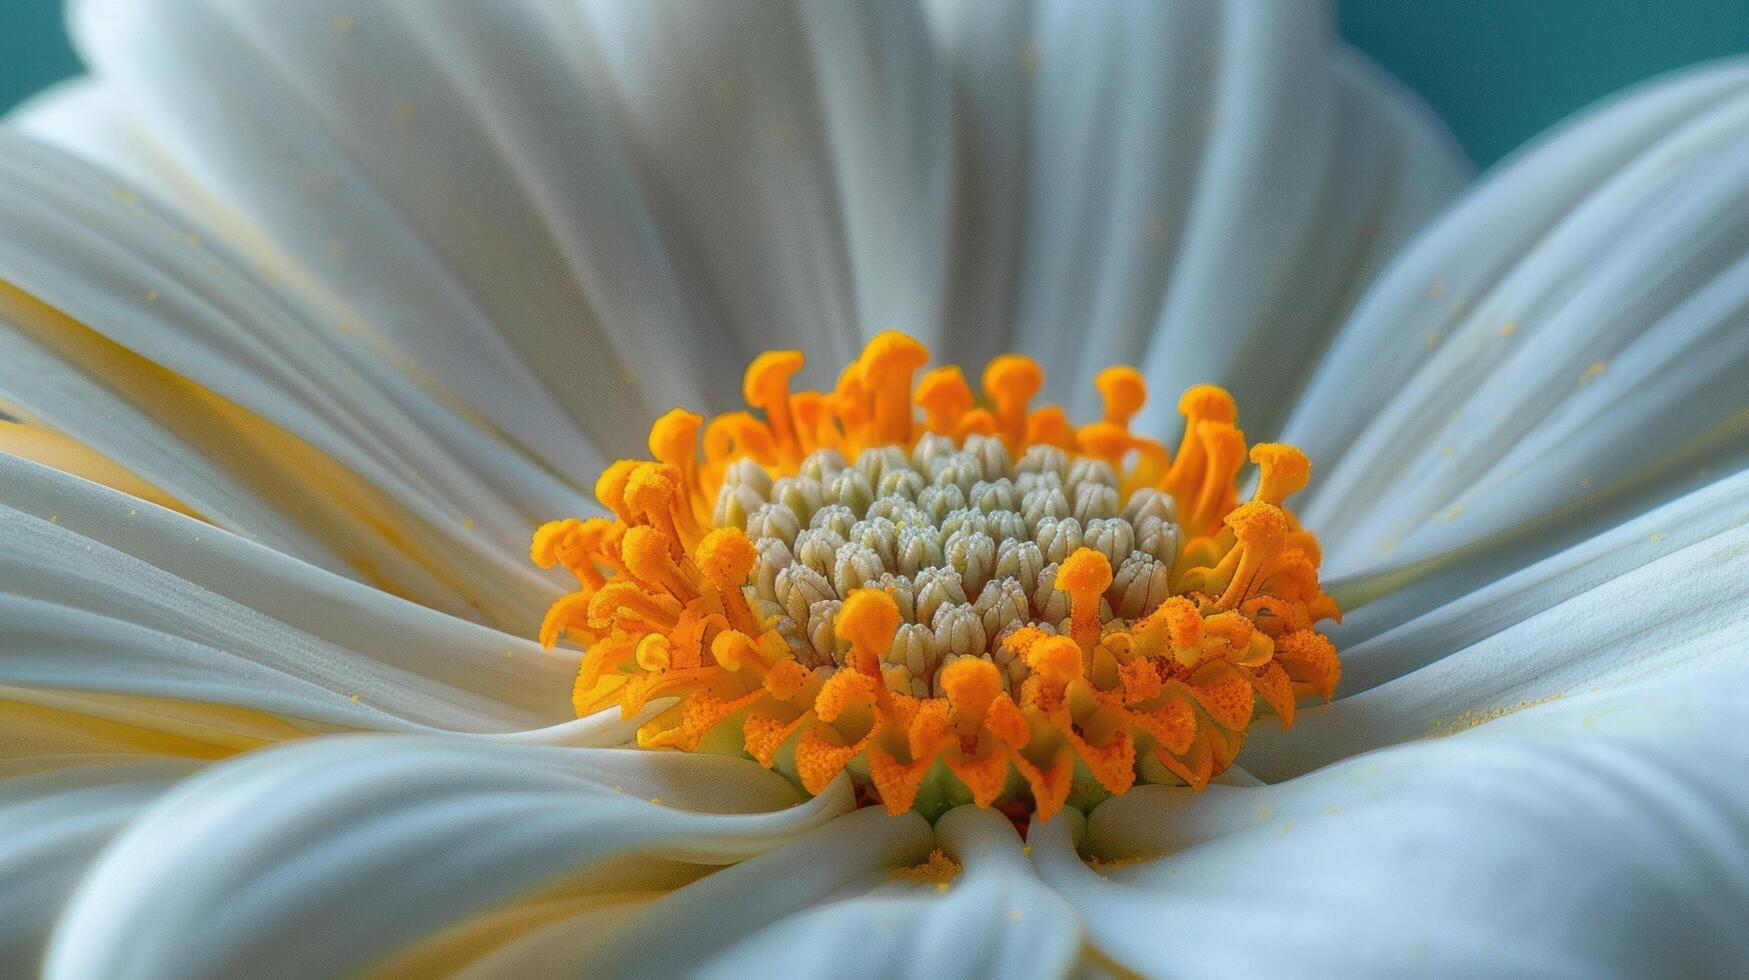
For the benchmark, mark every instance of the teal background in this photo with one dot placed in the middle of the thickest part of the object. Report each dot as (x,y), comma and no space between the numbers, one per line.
(1497,71)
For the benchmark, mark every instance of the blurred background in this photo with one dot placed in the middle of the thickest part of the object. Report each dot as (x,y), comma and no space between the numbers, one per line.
(1497,71)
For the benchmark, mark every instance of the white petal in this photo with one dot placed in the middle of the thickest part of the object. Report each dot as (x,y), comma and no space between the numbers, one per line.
(1198,188)
(1614,609)
(118,290)
(608,205)
(1563,349)
(319,857)
(53,822)
(86,118)
(1376,649)
(287,119)
(676,934)
(995,920)
(799,153)
(103,592)
(1600,835)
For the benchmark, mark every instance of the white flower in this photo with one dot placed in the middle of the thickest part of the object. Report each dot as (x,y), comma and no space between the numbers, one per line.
(310,312)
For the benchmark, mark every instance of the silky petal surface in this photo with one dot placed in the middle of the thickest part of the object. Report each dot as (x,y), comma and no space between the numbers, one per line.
(996,919)
(1600,834)
(1562,351)
(106,593)
(372,841)
(1201,189)
(1617,609)
(55,817)
(202,355)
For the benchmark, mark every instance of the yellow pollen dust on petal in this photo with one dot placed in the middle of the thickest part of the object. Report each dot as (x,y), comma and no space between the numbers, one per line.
(949,595)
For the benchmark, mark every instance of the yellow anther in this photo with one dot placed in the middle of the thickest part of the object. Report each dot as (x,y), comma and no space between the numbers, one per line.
(1123,391)
(543,548)
(733,650)
(1011,381)
(619,600)
(944,397)
(726,558)
(1085,575)
(653,494)
(649,555)
(1282,471)
(610,487)
(888,364)
(654,652)
(674,439)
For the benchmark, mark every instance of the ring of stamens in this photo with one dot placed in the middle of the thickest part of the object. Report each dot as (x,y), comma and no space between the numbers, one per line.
(986,604)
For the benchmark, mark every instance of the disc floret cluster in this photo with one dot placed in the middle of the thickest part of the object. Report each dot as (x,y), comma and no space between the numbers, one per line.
(954,599)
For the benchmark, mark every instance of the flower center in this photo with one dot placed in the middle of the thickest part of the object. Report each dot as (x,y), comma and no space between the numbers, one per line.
(983,605)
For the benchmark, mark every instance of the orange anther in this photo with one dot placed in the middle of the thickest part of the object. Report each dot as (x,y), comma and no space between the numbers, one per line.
(726,557)
(888,363)
(674,439)
(1200,403)
(733,649)
(1223,453)
(1310,661)
(649,555)
(1055,659)
(734,434)
(1283,471)
(610,487)
(1011,381)
(1050,426)
(1123,391)
(665,607)
(1105,440)
(572,543)
(868,620)
(971,684)
(944,397)
(1085,575)
(850,402)
(766,387)
(1261,529)
(1208,403)
(654,652)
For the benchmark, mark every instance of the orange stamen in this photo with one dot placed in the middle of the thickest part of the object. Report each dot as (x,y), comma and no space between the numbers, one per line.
(792,642)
